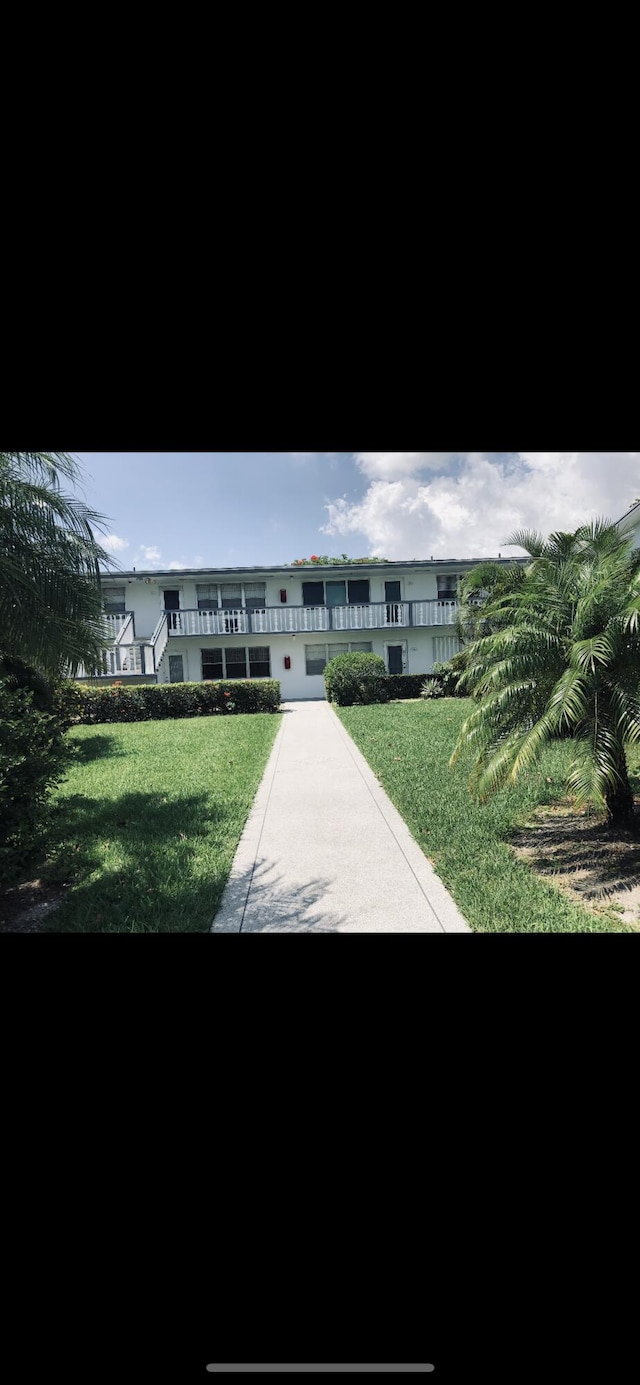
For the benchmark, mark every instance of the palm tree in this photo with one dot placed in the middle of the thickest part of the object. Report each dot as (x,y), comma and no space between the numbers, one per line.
(563,659)
(50,599)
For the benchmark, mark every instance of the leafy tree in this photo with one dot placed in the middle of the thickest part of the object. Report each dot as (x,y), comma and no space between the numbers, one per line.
(50,598)
(562,658)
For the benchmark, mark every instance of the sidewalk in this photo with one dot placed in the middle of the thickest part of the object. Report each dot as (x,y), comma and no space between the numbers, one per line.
(324,850)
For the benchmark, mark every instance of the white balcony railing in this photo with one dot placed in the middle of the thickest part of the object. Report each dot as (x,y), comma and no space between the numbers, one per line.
(434,612)
(207,622)
(290,620)
(376,616)
(115,623)
(296,620)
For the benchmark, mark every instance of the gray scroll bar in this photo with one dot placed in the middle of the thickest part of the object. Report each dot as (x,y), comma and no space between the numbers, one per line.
(389,1369)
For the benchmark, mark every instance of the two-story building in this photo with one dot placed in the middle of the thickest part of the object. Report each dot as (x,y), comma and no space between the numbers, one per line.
(280,622)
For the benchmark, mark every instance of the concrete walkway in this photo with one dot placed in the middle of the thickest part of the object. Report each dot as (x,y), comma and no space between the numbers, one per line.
(324,850)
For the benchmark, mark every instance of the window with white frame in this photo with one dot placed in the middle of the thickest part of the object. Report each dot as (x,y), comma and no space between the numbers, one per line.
(115,600)
(317,656)
(236,662)
(231,596)
(444,647)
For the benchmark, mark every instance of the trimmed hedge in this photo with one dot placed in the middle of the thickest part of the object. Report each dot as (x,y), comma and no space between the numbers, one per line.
(79,704)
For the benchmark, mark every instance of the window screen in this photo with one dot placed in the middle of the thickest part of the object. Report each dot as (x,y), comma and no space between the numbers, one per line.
(207,596)
(358,591)
(335,649)
(115,600)
(313,593)
(316,657)
(365,648)
(259,662)
(236,662)
(212,663)
(255,595)
(231,593)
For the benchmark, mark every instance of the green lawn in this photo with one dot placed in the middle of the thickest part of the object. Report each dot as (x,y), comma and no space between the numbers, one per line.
(408,746)
(146,824)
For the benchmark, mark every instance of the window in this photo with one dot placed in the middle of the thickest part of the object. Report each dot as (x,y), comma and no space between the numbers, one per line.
(231,593)
(313,593)
(447,588)
(115,601)
(259,662)
(318,655)
(255,595)
(335,593)
(358,592)
(212,663)
(207,596)
(232,663)
(392,591)
(236,662)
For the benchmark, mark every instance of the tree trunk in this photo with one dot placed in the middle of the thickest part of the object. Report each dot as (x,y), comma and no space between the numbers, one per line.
(619,801)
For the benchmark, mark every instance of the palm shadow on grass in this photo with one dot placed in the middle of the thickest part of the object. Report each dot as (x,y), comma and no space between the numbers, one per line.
(144,849)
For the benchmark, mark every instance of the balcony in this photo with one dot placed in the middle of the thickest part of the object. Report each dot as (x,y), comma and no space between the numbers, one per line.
(298,620)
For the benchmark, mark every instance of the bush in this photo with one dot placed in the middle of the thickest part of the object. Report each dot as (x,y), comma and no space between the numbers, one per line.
(79,704)
(33,757)
(443,680)
(356,678)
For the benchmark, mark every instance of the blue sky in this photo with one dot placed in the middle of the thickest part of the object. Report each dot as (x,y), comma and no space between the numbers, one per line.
(229,509)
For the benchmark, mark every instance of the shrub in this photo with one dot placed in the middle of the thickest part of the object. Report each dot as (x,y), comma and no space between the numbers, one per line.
(444,679)
(33,757)
(83,705)
(351,678)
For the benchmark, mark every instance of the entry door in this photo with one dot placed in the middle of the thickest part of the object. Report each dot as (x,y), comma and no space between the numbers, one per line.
(171,604)
(394,607)
(176,669)
(396,657)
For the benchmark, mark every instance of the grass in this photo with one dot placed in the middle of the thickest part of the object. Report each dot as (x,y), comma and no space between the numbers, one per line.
(408,746)
(146,824)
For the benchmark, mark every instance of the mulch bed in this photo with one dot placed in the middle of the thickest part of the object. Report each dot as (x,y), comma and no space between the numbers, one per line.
(585,859)
(24,908)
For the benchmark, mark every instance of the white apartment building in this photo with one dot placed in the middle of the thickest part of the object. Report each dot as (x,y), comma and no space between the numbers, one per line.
(279,622)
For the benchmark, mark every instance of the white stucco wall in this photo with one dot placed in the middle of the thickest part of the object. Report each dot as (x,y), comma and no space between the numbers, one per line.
(295,683)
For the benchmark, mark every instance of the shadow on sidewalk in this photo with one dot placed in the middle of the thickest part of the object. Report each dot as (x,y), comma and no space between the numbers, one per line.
(275,907)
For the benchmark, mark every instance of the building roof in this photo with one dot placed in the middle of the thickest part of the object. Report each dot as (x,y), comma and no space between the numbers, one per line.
(289,568)
(629,512)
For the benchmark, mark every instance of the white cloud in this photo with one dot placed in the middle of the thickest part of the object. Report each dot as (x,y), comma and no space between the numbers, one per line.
(388,465)
(175,566)
(150,554)
(114,544)
(476,502)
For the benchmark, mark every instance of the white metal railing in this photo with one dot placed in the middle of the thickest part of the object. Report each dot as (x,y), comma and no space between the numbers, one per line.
(435,612)
(374,616)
